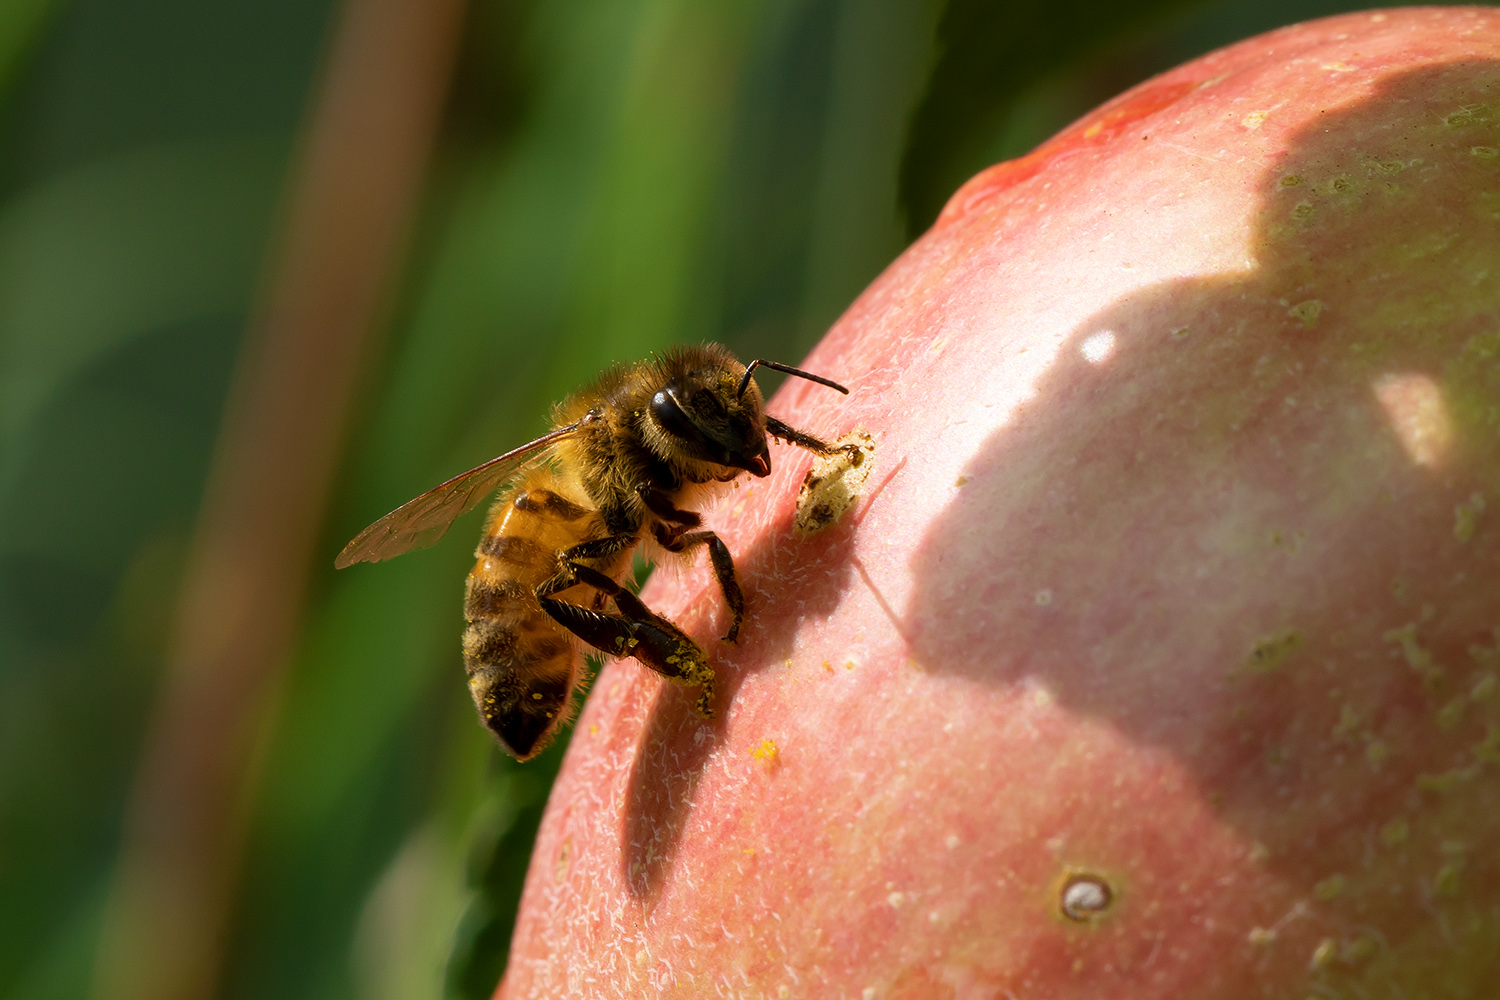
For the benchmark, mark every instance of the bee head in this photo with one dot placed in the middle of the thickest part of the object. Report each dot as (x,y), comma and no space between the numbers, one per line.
(708,420)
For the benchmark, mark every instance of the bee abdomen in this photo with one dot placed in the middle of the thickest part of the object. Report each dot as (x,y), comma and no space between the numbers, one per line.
(521,678)
(522,665)
(497,599)
(516,646)
(516,551)
(550,504)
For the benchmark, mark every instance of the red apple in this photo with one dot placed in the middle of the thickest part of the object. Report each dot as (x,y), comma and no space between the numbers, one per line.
(1160,656)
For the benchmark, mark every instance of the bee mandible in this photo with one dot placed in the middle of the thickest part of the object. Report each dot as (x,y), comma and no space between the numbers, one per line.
(625,460)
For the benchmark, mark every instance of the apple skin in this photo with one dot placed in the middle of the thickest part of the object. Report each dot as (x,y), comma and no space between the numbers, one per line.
(1172,576)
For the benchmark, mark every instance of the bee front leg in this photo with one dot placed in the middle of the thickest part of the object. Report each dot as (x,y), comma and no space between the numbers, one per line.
(789,434)
(636,631)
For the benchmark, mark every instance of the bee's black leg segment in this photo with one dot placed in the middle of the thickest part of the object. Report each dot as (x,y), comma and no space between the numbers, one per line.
(783,432)
(628,604)
(597,548)
(604,632)
(723,563)
(636,631)
(661,505)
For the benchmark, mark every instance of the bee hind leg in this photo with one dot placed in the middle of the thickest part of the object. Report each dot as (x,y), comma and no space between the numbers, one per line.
(636,631)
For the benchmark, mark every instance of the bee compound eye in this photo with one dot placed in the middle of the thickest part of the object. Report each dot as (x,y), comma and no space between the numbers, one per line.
(670,416)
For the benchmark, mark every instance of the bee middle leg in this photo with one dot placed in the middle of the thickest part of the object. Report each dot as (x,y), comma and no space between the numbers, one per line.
(636,631)
(723,563)
(596,548)
(671,533)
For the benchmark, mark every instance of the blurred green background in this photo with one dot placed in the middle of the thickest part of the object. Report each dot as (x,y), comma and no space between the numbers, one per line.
(611,176)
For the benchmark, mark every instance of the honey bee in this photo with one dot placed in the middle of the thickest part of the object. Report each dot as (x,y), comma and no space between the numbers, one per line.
(625,458)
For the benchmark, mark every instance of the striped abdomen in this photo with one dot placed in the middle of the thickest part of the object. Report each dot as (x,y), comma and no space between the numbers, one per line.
(522,665)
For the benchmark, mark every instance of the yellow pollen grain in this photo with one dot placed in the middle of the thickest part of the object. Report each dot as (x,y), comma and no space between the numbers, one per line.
(768,752)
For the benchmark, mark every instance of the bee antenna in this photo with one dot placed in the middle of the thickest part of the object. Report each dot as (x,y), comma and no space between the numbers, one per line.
(788,369)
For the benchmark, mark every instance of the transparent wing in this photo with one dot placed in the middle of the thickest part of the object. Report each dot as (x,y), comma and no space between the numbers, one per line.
(421,522)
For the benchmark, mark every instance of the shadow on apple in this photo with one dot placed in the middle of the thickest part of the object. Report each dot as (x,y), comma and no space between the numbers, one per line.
(1251,550)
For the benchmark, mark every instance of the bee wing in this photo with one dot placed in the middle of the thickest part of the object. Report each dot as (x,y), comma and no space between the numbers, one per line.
(421,522)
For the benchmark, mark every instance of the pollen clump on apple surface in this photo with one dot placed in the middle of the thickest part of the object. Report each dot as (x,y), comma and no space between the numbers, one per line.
(835,482)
